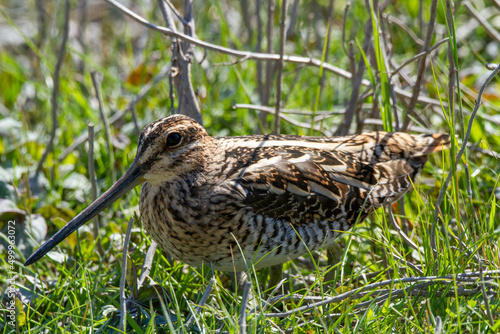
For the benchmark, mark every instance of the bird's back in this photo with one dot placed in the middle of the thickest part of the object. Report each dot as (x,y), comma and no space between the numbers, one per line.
(376,163)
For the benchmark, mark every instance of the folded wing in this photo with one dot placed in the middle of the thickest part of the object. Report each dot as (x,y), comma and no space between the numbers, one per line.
(304,180)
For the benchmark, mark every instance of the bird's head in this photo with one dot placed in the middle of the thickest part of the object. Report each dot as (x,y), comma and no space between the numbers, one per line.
(171,147)
(168,149)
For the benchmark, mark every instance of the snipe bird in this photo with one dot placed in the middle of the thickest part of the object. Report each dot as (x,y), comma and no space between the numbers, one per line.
(231,201)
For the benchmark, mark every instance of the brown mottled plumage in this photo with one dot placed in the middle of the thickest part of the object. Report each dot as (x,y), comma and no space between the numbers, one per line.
(229,201)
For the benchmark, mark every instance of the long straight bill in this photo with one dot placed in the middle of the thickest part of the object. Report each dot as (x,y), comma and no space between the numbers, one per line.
(128,181)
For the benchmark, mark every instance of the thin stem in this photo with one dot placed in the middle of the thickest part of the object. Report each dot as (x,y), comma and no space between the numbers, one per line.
(281,63)
(242,322)
(493,33)
(55,89)
(466,139)
(203,300)
(148,264)
(420,55)
(105,121)
(118,115)
(93,182)
(421,65)
(247,55)
(123,278)
(417,289)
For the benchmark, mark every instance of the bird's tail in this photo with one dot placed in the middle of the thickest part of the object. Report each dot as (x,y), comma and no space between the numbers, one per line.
(427,144)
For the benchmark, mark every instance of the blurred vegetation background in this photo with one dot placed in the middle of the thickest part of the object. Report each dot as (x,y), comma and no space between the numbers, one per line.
(346,78)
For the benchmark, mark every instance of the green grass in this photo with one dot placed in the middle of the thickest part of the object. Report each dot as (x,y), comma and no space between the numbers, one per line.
(81,293)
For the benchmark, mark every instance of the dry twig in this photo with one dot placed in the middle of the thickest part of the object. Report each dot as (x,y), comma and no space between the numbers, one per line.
(123,278)
(419,289)
(182,57)
(493,33)
(55,89)
(242,322)
(395,225)
(403,26)
(421,66)
(485,297)
(202,302)
(93,182)
(271,110)
(420,55)
(248,55)
(281,63)
(148,264)
(118,115)
(105,121)
(352,106)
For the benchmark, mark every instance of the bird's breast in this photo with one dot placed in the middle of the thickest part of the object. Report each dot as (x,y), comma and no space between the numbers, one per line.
(221,231)
(181,220)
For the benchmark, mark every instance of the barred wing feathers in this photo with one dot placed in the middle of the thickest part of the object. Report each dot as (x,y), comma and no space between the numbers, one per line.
(306,179)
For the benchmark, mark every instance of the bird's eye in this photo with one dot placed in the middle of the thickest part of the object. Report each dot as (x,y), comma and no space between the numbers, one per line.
(173,139)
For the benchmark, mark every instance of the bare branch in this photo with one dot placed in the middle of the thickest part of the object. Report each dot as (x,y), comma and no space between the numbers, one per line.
(123,278)
(118,115)
(326,48)
(105,121)
(148,262)
(421,17)
(258,48)
(493,33)
(281,63)
(409,264)
(293,19)
(451,100)
(176,13)
(242,322)
(343,128)
(246,18)
(269,66)
(420,55)
(203,300)
(248,55)
(403,26)
(93,182)
(271,110)
(228,51)
(346,10)
(485,297)
(384,294)
(182,57)
(421,65)
(379,122)
(135,120)
(55,89)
